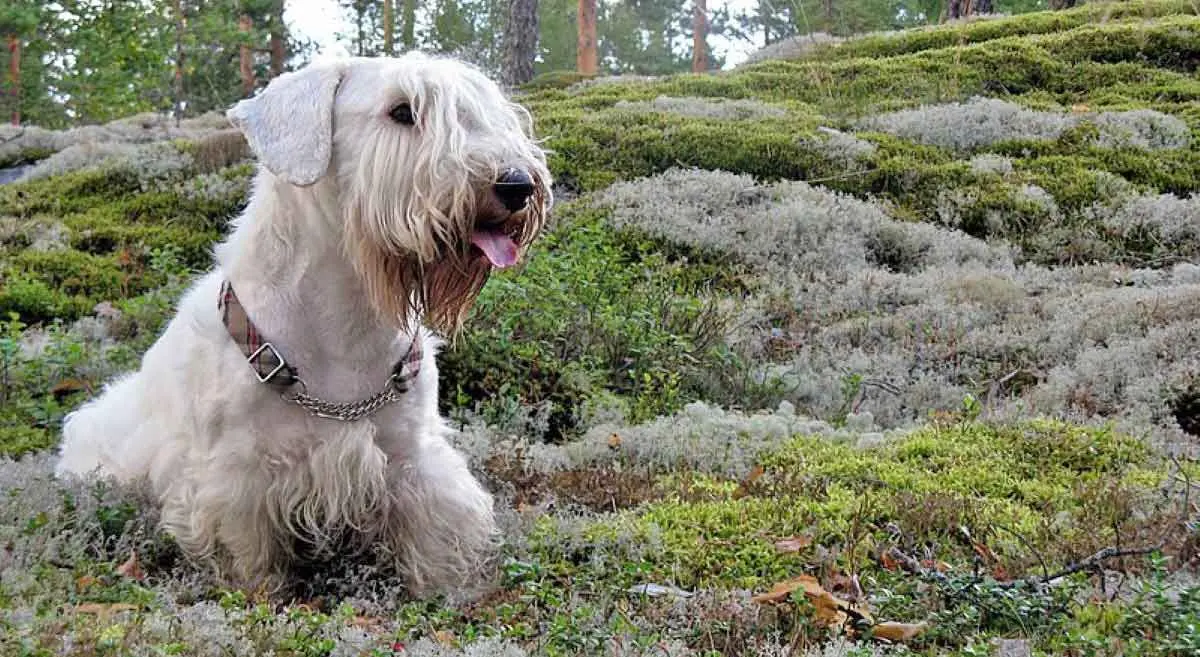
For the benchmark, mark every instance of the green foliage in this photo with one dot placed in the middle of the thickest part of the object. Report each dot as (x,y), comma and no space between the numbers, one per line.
(1061,488)
(591,311)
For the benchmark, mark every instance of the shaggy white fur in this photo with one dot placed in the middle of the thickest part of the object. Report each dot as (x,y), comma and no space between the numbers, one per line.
(360,229)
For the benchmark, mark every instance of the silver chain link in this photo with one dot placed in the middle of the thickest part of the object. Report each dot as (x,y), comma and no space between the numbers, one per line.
(347,411)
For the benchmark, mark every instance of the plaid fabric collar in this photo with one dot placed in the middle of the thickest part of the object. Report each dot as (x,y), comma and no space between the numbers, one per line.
(269,365)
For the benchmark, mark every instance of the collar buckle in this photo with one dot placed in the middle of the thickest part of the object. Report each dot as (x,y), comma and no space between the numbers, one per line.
(254,365)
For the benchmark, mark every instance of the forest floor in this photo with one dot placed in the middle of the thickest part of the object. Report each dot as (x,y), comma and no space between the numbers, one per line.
(889,346)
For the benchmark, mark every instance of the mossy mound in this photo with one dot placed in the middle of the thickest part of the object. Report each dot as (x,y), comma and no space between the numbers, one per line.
(1038,489)
(1088,15)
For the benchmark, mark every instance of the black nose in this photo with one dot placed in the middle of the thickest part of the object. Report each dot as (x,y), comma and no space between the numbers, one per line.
(513,188)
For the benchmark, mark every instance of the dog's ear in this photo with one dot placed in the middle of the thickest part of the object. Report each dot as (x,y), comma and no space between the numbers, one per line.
(289,126)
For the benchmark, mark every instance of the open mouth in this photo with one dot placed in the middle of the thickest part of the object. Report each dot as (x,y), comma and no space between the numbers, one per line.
(496,245)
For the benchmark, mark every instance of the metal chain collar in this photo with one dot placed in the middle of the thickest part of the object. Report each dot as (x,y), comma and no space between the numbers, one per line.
(270,368)
(347,411)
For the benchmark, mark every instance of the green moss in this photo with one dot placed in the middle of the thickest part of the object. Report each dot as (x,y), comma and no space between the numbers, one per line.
(67,193)
(34,301)
(1046,22)
(67,284)
(1061,487)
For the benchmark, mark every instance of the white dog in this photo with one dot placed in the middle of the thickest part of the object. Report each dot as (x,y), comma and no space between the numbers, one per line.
(290,407)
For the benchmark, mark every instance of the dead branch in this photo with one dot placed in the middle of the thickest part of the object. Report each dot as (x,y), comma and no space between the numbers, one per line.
(1084,564)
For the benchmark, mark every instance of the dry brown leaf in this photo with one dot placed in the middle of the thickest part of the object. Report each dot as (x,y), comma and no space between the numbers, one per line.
(999,573)
(793,544)
(898,632)
(103,609)
(888,561)
(828,609)
(86,582)
(614,441)
(781,591)
(131,568)
(444,637)
(366,622)
(940,566)
(742,489)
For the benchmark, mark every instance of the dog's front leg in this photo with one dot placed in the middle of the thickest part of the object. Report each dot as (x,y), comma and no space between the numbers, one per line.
(442,527)
(224,519)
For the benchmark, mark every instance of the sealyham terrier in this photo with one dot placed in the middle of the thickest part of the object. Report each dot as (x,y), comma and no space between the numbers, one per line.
(288,413)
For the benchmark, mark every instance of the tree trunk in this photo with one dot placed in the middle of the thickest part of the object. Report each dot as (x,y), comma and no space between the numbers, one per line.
(1062,4)
(699,36)
(827,6)
(410,25)
(245,56)
(14,76)
(981,7)
(180,26)
(586,58)
(277,47)
(520,41)
(957,9)
(389,27)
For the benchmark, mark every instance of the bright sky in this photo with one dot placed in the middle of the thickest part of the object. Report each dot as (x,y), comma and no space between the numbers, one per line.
(321,20)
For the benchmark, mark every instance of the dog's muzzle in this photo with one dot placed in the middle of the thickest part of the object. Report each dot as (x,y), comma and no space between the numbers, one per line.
(513,188)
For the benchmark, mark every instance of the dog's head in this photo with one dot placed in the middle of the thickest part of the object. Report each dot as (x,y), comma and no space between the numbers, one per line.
(438,176)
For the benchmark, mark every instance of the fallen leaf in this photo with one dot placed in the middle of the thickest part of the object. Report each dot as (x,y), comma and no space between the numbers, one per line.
(781,591)
(940,566)
(999,573)
(793,544)
(898,632)
(889,562)
(614,441)
(444,637)
(366,622)
(984,552)
(742,489)
(131,568)
(85,582)
(103,610)
(828,609)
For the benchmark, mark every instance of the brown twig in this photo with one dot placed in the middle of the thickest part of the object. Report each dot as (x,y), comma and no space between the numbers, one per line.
(1028,546)
(1084,564)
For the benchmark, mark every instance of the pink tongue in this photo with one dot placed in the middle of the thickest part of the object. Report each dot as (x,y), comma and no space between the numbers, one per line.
(498,247)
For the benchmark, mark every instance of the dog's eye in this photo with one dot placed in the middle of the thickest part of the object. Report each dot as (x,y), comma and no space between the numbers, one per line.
(402,114)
